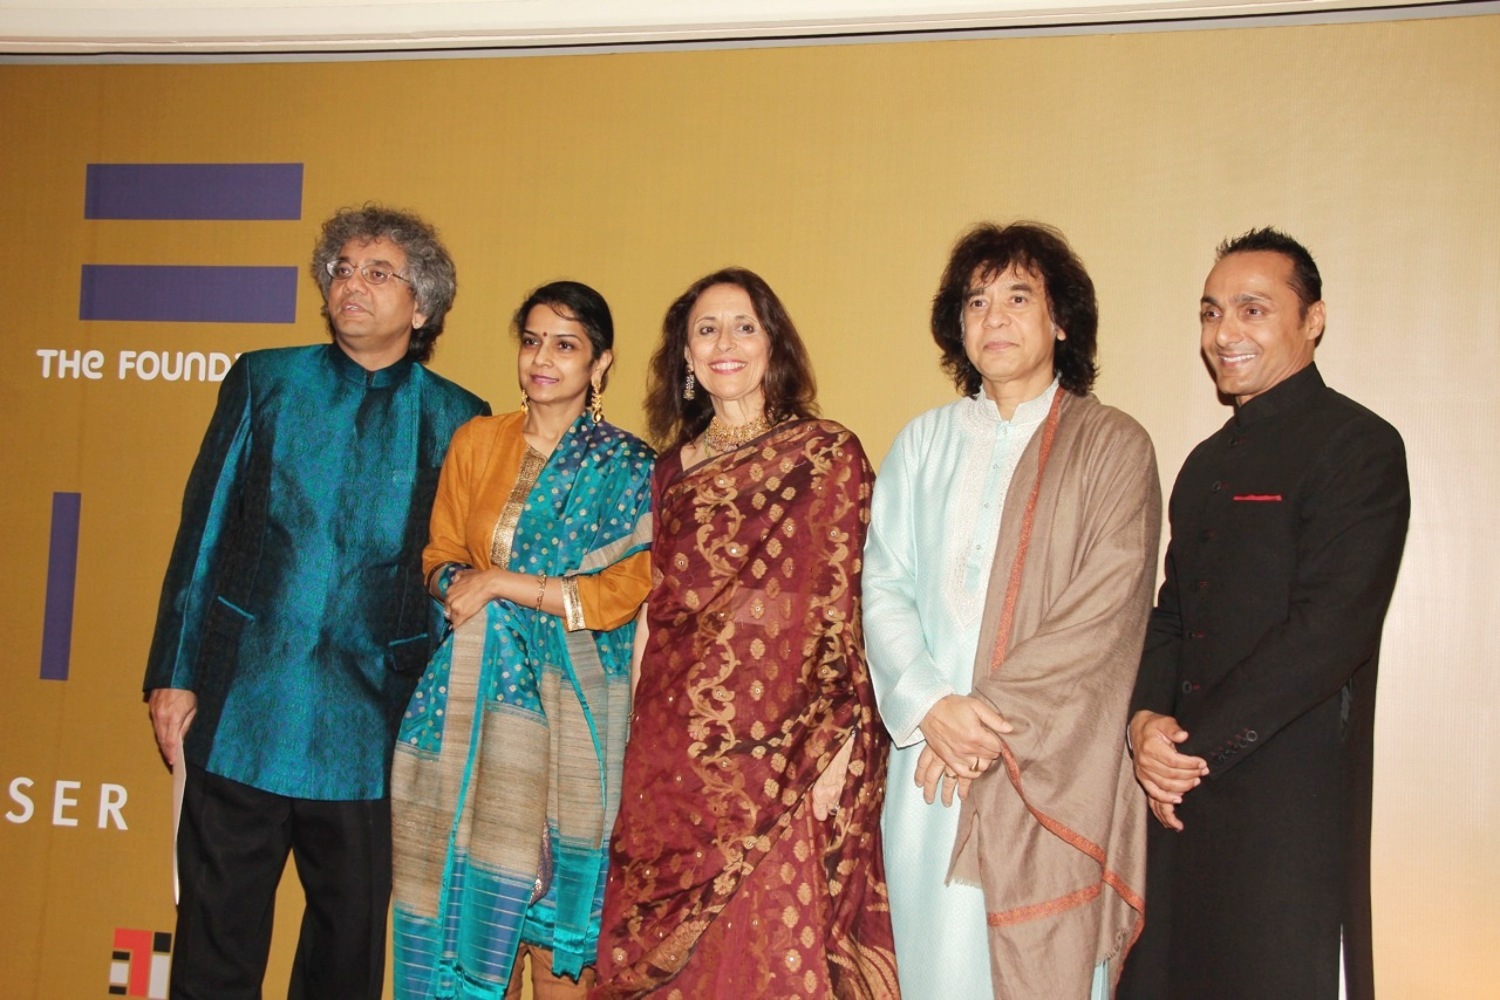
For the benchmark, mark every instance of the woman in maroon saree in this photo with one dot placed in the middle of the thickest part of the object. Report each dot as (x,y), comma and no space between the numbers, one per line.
(746,859)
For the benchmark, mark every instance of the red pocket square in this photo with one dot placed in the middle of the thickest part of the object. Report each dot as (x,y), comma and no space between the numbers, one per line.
(1259,497)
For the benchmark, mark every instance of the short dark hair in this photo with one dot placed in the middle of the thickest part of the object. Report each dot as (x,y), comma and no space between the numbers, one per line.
(578,302)
(1305,279)
(789,386)
(989,249)
(430,269)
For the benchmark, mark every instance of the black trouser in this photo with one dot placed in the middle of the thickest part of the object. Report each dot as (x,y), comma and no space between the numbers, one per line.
(232,847)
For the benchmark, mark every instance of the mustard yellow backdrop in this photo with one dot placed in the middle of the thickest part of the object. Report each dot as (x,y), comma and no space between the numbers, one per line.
(842,173)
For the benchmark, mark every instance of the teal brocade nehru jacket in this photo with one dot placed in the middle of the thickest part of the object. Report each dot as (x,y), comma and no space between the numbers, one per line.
(294,604)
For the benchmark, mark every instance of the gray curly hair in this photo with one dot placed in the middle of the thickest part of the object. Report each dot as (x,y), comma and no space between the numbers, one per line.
(430,269)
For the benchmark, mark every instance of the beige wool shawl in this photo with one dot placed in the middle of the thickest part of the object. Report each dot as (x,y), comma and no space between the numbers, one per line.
(1055,833)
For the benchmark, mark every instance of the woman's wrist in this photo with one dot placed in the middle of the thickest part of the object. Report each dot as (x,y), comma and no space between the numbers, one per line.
(501,585)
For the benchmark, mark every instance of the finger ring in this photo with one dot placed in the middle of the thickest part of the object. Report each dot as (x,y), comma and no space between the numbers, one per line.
(948,773)
(976,763)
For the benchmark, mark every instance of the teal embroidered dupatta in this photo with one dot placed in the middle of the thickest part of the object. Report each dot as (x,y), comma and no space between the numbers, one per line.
(508,759)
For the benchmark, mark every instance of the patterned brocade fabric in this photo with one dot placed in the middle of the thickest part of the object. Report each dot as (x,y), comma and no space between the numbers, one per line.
(722,883)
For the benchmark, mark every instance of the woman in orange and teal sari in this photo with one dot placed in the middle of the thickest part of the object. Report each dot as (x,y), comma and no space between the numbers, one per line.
(506,773)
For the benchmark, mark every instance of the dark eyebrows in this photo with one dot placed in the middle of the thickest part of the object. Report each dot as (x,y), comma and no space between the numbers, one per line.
(1241,299)
(1014,286)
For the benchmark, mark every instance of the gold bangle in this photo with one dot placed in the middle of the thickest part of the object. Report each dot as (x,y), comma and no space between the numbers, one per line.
(541,589)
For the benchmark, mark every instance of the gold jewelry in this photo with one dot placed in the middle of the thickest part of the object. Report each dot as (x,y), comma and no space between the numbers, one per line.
(690,386)
(525,402)
(541,589)
(596,403)
(976,763)
(721,437)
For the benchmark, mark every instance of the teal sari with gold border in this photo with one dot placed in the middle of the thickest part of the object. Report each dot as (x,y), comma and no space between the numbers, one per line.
(505,780)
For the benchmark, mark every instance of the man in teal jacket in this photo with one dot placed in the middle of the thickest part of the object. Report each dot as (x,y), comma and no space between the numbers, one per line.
(294,622)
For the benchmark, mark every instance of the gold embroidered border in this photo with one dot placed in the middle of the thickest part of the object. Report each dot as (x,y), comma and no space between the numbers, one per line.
(510,514)
(572,604)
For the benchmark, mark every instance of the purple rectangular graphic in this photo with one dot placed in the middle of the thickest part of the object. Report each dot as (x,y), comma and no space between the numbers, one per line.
(62,573)
(188,293)
(223,191)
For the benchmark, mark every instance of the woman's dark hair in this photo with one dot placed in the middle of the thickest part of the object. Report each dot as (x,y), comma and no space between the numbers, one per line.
(789,387)
(578,302)
(987,250)
(429,268)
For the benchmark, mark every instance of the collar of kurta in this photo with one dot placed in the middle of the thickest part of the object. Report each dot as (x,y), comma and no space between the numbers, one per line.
(352,370)
(1030,413)
(1289,394)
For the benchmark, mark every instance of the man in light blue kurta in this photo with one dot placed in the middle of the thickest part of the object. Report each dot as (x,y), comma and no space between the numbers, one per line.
(935,518)
(946,577)
(294,622)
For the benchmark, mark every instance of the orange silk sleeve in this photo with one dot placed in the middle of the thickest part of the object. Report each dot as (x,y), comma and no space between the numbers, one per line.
(611,597)
(450,507)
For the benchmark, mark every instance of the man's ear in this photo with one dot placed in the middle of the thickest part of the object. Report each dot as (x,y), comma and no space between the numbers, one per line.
(1314,321)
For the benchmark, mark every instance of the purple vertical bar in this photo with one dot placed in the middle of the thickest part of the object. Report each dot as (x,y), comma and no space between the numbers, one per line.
(62,573)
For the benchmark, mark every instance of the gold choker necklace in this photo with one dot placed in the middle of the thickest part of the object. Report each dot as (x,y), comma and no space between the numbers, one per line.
(721,437)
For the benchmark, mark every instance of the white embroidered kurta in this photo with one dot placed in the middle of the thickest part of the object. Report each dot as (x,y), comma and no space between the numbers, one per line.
(935,519)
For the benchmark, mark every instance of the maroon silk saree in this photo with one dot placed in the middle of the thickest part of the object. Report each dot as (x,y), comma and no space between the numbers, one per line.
(722,883)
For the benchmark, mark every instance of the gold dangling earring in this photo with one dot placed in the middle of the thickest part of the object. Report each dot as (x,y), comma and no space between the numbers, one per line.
(596,404)
(689,386)
(525,402)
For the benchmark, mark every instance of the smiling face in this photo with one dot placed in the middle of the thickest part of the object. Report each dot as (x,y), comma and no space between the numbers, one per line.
(556,362)
(1255,332)
(728,351)
(373,323)
(1009,334)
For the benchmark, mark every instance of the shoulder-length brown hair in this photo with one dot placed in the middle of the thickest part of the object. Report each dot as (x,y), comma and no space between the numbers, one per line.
(789,386)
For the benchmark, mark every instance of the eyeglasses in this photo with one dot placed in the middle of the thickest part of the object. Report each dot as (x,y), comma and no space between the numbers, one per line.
(375,274)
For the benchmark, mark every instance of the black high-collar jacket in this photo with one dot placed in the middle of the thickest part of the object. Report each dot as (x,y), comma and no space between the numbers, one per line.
(1286,534)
